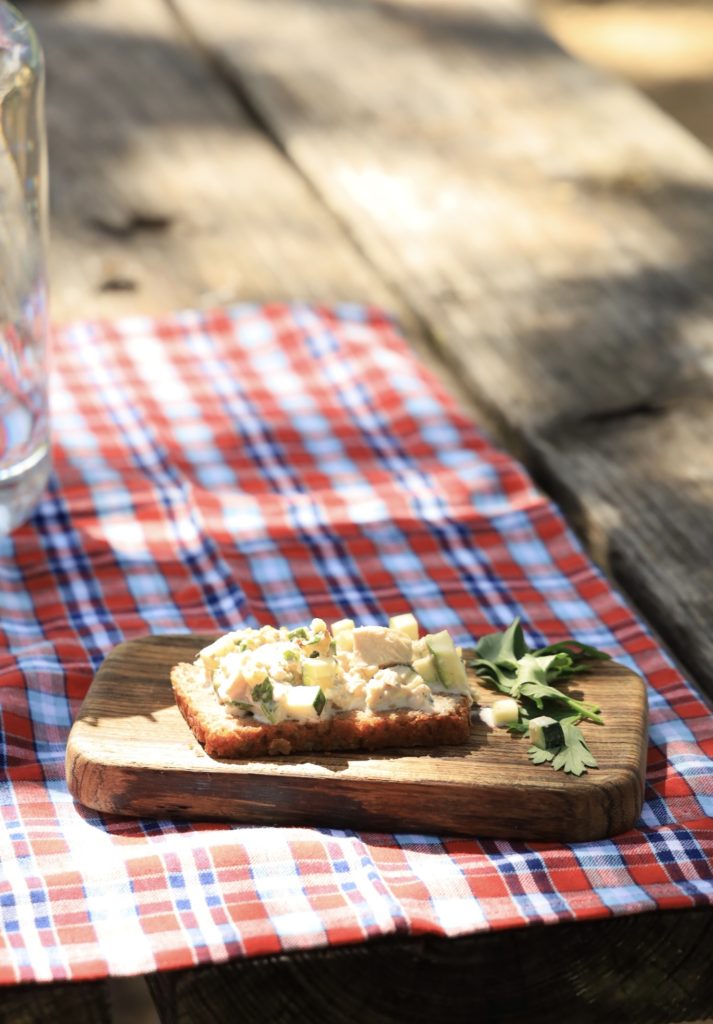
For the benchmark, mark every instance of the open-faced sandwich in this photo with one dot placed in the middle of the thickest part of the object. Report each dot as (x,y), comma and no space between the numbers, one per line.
(279,691)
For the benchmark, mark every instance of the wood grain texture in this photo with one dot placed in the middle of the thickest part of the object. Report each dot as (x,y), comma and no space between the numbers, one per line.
(130,752)
(164,193)
(641,969)
(547,225)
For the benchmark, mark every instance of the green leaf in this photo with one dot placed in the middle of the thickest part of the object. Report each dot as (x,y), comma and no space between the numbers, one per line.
(576,651)
(539,756)
(531,670)
(503,649)
(575,756)
(538,691)
(561,664)
(518,728)
(490,673)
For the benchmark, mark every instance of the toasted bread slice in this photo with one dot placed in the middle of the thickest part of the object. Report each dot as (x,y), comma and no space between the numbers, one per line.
(224,735)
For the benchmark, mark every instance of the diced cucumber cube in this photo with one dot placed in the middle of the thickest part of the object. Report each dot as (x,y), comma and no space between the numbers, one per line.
(211,655)
(546,733)
(304,702)
(426,668)
(505,712)
(405,624)
(450,667)
(343,633)
(319,672)
(344,640)
(341,625)
(419,648)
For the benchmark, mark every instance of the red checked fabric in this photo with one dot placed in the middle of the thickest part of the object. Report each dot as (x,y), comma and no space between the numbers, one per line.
(267,465)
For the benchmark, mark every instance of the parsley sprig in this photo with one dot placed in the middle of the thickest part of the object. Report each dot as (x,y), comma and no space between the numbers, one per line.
(503,660)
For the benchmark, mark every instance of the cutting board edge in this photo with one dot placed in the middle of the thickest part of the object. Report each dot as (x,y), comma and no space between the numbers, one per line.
(613,803)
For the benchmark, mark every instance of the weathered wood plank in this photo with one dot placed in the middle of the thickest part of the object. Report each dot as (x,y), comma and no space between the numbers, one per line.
(164,194)
(583,973)
(547,224)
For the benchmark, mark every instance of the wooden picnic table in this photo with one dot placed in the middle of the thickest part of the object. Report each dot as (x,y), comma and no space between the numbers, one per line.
(544,236)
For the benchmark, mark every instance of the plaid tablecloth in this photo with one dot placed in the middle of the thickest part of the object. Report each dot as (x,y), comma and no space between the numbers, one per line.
(268,464)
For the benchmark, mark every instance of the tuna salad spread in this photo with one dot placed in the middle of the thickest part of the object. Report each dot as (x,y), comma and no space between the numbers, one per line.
(274,674)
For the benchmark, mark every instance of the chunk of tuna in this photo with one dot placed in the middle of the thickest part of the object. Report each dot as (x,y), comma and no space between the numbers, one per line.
(377,645)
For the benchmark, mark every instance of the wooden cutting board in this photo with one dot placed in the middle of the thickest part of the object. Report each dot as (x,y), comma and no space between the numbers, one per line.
(130,752)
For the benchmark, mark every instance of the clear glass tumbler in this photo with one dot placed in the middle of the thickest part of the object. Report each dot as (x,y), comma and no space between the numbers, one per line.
(24,419)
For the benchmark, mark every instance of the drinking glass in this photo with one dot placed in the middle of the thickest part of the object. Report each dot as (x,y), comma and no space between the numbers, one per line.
(24,421)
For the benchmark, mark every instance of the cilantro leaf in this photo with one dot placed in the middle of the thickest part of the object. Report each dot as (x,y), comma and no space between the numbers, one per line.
(500,678)
(575,756)
(575,651)
(539,756)
(531,680)
(518,728)
(539,692)
(504,649)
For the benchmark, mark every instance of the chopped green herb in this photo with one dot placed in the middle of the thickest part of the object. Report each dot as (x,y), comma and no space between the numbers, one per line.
(268,709)
(298,634)
(263,691)
(264,698)
(241,704)
(319,702)
(518,728)
(289,655)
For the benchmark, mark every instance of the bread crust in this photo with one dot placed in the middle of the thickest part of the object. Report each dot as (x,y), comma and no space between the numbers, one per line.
(223,735)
